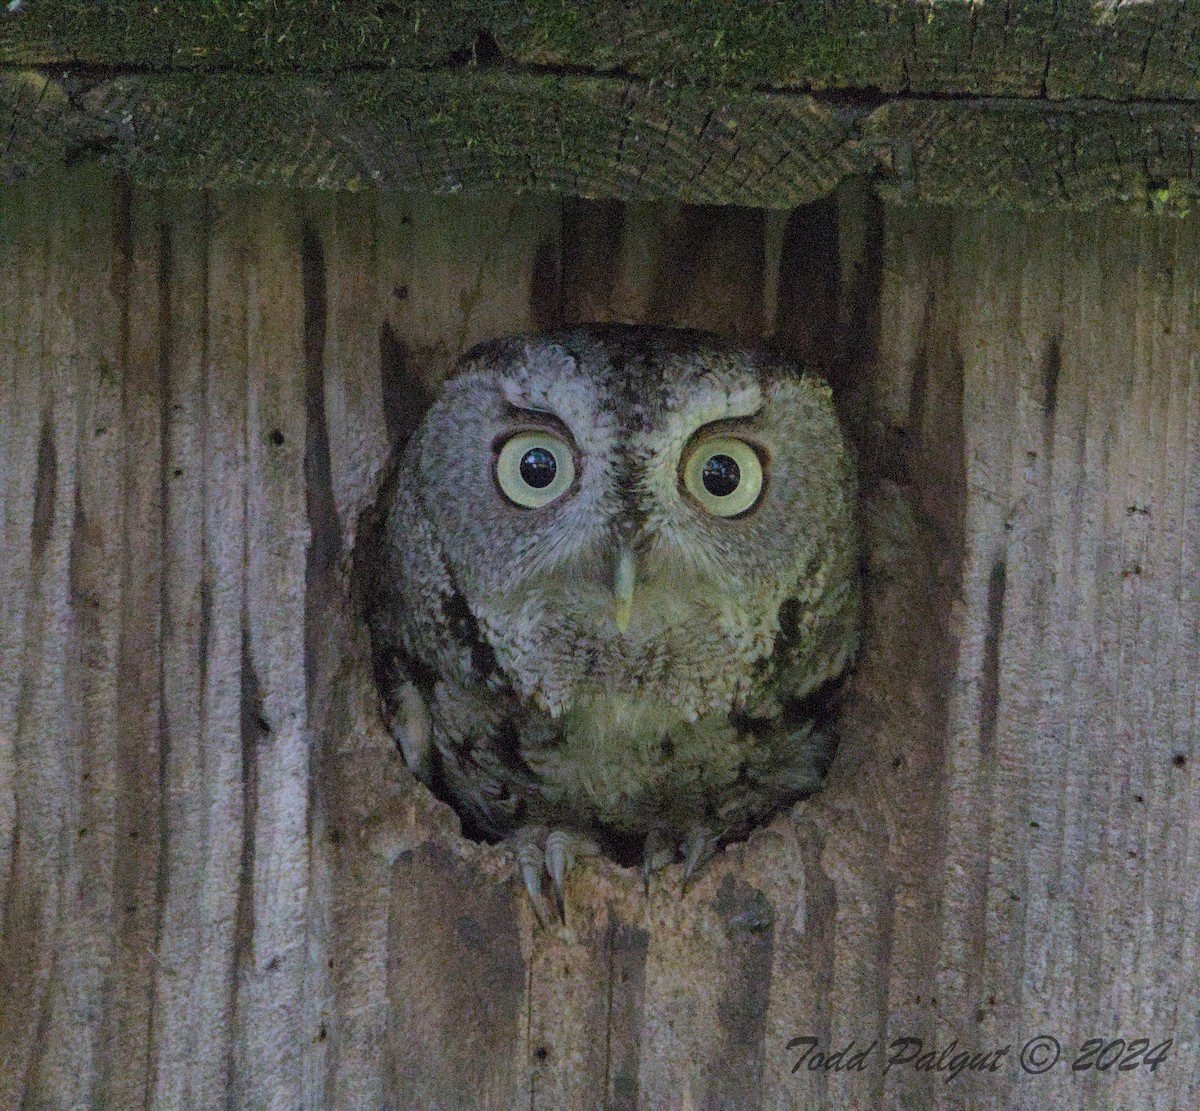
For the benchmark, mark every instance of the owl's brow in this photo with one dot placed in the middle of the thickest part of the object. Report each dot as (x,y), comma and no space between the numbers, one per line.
(516,396)
(723,424)
(539,418)
(730,425)
(740,406)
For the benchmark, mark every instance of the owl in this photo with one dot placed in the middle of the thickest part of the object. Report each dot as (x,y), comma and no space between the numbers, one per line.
(618,578)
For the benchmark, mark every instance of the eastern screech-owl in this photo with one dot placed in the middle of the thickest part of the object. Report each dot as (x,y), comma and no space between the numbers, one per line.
(620,565)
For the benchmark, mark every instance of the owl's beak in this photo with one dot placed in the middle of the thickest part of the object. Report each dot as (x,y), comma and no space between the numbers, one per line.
(624,579)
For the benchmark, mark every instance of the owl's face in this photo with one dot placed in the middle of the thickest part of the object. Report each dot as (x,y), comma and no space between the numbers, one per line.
(618,504)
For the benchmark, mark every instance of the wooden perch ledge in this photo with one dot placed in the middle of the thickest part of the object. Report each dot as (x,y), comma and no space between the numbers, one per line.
(769,105)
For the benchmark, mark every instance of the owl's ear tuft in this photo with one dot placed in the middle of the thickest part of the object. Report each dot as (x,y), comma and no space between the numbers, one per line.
(554,357)
(553,363)
(514,394)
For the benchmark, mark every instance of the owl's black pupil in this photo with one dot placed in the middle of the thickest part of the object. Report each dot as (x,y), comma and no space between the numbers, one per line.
(538,468)
(721,476)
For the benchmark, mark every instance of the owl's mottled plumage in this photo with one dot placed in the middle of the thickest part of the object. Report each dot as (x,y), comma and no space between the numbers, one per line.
(496,624)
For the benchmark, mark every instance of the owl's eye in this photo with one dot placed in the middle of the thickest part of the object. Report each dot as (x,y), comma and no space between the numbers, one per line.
(724,475)
(534,468)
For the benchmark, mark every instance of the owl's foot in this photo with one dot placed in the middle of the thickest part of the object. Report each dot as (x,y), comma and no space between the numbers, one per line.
(697,848)
(556,853)
(658,852)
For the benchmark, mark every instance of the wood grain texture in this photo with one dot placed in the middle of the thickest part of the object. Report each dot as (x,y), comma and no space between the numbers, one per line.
(494,131)
(219,885)
(1076,48)
(441,132)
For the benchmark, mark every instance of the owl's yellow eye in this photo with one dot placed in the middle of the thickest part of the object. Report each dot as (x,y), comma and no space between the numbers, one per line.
(724,475)
(534,468)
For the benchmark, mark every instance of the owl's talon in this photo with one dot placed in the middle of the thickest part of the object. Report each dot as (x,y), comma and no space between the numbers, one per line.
(532,875)
(658,852)
(698,849)
(559,857)
(556,853)
(562,851)
(527,848)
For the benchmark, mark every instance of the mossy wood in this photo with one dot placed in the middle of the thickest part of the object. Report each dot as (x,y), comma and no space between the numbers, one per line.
(1104,50)
(1034,104)
(221,887)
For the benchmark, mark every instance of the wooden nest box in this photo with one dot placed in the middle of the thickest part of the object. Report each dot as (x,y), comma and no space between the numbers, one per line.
(240,243)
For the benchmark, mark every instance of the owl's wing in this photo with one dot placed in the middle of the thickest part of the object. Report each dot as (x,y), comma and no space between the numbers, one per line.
(478,735)
(818,633)
(405,699)
(448,702)
(788,711)
(433,629)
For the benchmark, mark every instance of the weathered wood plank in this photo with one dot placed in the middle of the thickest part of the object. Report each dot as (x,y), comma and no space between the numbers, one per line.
(1025,48)
(680,266)
(446,132)
(201,660)
(1076,508)
(421,272)
(608,137)
(341,244)
(180,969)
(18,434)
(45,772)
(138,788)
(272,951)
(446,282)
(457,982)
(201,394)
(1077,155)
(90,674)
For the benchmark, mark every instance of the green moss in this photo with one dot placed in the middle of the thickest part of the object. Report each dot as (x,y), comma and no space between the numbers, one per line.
(1170,198)
(1022,47)
(271,35)
(437,132)
(494,127)
(722,42)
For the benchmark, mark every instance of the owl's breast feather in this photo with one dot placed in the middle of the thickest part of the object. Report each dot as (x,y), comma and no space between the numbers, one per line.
(682,659)
(622,755)
(621,719)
